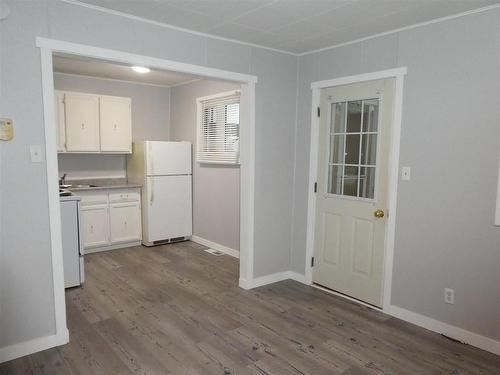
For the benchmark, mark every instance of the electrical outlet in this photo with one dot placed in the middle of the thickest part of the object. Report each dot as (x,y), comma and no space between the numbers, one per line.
(449,296)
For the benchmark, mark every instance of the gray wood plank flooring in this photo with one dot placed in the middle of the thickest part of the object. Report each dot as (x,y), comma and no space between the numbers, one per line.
(176,309)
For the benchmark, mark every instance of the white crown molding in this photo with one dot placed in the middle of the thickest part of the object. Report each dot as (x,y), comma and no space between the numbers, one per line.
(112,79)
(128,81)
(395,31)
(177,28)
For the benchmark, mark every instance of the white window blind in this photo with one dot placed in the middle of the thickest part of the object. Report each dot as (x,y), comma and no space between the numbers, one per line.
(219,130)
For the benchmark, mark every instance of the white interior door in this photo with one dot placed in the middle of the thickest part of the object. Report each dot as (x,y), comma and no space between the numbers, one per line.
(352,188)
(169,210)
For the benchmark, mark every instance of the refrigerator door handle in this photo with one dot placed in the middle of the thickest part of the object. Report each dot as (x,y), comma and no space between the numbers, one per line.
(151,198)
(150,159)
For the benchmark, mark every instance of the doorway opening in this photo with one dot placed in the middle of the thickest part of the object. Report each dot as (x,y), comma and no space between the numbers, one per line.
(354,161)
(50,48)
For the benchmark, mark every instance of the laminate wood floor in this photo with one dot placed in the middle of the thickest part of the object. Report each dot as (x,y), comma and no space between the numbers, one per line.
(176,309)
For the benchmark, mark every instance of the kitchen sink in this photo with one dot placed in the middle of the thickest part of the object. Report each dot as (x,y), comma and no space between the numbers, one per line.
(82,186)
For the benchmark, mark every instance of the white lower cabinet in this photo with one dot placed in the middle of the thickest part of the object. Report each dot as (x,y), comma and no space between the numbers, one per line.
(125,222)
(111,218)
(95,226)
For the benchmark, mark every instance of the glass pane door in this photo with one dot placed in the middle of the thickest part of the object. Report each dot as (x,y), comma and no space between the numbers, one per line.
(352,147)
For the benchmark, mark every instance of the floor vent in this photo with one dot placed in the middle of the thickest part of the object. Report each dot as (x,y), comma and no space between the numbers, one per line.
(214,252)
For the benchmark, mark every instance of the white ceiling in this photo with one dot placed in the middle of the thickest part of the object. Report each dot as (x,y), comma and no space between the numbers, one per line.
(103,69)
(295,26)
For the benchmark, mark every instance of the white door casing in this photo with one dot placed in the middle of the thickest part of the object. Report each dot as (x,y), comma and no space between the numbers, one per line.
(247,155)
(353,155)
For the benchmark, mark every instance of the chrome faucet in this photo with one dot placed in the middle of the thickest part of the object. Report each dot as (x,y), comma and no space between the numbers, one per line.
(62,180)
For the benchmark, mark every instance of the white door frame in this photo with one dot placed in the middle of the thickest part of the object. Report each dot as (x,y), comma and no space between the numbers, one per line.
(398,74)
(247,157)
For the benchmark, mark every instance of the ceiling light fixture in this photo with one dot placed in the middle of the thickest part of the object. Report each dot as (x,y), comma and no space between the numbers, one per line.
(141,69)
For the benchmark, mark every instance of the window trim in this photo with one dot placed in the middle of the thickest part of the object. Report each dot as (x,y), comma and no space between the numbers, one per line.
(199,110)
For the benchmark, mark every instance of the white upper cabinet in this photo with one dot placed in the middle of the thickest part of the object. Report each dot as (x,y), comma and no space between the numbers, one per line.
(116,124)
(60,123)
(82,122)
(89,123)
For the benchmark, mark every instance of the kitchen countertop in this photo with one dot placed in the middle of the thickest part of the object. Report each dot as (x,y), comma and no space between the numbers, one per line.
(105,187)
(69,198)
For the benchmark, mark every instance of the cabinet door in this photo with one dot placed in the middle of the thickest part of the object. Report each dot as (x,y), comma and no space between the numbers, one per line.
(60,121)
(125,222)
(116,124)
(95,226)
(82,122)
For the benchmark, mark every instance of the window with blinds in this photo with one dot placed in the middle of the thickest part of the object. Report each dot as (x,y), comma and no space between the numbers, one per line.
(219,130)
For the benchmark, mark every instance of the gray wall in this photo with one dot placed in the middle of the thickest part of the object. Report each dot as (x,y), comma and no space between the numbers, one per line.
(150,121)
(90,166)
(25,263)
(450,137)
(216,188)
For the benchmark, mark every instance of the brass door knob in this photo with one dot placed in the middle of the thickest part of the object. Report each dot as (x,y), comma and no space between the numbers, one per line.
(379,214)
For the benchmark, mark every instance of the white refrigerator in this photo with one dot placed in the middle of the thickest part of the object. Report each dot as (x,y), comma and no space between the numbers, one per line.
(164,171)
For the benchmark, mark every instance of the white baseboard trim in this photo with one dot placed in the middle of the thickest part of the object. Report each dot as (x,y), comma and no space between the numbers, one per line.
(32,346)
(112,247)
(460,334)
(297,277)
(272,278)
(468,337)
(244,284)
(213,245)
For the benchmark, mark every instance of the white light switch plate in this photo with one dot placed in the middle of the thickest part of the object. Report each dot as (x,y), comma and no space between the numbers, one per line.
(405,173)
(36,153)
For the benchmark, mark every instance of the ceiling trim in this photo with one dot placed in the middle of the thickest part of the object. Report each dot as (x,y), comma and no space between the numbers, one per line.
(211,36)
(163,24)
(111,79)
(128,81)
(409,27)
